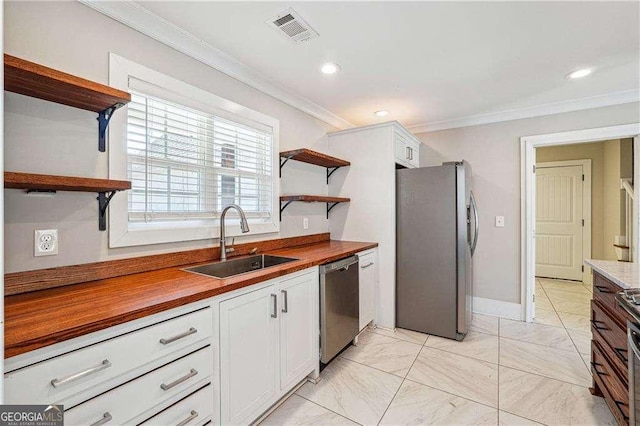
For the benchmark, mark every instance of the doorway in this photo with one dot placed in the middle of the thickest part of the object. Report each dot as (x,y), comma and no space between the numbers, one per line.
(528,211)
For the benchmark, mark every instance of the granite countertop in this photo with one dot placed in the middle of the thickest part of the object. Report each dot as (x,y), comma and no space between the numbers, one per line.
(625,274)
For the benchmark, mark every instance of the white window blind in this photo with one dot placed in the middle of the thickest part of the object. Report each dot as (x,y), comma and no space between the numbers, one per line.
(188,165)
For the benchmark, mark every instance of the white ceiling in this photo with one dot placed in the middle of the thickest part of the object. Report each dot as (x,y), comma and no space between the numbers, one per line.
(428,62)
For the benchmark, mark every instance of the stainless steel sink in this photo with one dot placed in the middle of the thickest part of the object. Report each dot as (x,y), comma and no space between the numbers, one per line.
(239,266)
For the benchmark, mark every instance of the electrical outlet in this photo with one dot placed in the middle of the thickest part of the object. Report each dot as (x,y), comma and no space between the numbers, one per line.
(305,223)
(499,221)
(45,242)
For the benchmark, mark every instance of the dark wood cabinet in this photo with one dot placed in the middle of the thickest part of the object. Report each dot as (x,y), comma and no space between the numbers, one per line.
(609,357)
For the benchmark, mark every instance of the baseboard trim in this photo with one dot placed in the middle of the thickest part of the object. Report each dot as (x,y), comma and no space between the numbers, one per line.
(497,308)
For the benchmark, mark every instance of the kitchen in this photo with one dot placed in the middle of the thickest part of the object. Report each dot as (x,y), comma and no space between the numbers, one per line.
(85,278)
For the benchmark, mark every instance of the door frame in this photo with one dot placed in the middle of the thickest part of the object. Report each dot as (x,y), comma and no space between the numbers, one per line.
(586,207)
(527,188)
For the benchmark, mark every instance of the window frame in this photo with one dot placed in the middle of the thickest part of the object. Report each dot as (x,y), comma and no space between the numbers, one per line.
(125,234)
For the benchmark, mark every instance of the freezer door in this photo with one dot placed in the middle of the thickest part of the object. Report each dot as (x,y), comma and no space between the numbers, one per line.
(426,258)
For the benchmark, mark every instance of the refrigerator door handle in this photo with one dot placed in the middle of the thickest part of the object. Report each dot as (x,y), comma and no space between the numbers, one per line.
(476,224)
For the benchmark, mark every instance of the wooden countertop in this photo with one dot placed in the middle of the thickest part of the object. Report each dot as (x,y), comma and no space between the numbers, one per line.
(41,318)
(625,274)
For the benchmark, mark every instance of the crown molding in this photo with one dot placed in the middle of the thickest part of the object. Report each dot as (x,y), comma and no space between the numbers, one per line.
(148,23)
(609,99)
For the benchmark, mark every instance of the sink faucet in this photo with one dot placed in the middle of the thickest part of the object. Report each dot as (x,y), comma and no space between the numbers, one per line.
(244,226)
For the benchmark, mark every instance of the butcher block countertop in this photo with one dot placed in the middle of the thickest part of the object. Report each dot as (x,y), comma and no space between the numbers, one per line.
(625,274)
(41,318)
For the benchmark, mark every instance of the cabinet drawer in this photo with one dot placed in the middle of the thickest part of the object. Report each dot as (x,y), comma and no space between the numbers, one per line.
(196,409)
(615,392)
(138,396)
(605,292)
(609,333)
(88,369)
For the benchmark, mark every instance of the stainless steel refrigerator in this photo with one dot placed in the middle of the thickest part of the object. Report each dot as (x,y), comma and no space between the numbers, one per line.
(436,237)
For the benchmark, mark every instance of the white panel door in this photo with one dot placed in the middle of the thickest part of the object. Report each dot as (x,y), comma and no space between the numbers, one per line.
(559,222)
(298,327)
(248,345)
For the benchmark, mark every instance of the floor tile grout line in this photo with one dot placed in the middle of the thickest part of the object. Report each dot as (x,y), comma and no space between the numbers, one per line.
(322,406)
(400,387)
(524,417)
(451,393)
(547,346)
(546,377)
(374,368)
(396,338)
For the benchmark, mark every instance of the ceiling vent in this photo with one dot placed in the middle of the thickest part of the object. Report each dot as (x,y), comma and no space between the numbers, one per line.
(292,26)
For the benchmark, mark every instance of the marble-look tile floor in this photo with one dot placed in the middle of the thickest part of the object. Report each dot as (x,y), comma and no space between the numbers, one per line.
(504,373)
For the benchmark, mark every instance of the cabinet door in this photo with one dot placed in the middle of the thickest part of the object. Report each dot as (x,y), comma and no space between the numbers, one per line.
(367,279)
(248,336)
(401,150)
(299,327)
(414,153)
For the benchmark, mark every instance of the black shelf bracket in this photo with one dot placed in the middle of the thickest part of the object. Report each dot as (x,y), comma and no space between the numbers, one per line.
(104,117)
(283,161)
(284,206)
(330,171)
(331,206)
(103,202)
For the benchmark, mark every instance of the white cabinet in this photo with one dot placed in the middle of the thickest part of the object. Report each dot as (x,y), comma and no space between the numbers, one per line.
(368,277)
(370,182)
(298,327)
(407,150)
(248,327)
(268,343)
(154,361)
(224,360)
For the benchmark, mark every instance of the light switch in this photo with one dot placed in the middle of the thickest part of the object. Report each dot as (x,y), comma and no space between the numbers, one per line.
(499,221)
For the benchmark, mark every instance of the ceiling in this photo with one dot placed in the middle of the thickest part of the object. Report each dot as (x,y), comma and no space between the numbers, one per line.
(428,62)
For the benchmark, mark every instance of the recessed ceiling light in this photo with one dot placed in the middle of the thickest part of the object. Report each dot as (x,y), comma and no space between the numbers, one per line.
(381,113)
(579,73)
(330,68)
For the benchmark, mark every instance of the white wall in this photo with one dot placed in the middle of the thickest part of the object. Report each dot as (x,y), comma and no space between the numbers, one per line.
(42,137)
(494,153)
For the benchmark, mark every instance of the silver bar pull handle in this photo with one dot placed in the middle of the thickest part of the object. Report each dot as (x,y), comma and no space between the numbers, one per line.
(367,265)
(476,223)
(193,415)
(285,308)
(179,336)
(167,386)
(106,418)
(408,153)
(76,376)
(275,306)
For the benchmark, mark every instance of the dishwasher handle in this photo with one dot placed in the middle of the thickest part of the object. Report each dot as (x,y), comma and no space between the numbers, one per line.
(339,265)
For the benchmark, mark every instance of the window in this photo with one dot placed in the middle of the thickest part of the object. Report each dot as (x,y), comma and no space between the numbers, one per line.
(187,160)
(186,164)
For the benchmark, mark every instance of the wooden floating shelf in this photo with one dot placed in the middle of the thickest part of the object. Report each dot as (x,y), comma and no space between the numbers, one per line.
(106,188)
(308,156)
(37,182)
(38,81)
(330,201)
(314,199)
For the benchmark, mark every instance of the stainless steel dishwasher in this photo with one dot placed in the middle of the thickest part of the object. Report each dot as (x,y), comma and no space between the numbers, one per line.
(339,306)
